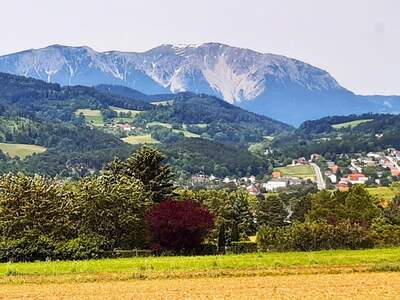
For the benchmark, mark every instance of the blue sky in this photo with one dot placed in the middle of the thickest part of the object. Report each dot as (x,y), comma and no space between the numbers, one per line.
(357,41)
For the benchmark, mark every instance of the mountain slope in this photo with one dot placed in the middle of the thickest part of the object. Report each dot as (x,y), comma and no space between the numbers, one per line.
(273,85)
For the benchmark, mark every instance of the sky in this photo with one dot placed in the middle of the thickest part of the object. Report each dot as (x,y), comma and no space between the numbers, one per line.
(356,41)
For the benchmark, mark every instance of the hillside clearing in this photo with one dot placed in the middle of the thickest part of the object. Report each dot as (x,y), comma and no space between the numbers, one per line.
(300,171)
(140,139)
(125,110)
(156,123)
(21,150)
(186,133)
(166,102)
(92,116)
(351,124)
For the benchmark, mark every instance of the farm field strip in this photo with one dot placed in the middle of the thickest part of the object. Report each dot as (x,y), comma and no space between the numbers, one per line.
(317,286)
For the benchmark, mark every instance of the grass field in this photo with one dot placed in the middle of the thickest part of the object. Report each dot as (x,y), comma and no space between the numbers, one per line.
(140,139)
(383,193)
(301,171)
(186,133)
(200,125)
(351,124)
(124,110)
(167,102)
(92,116)
(339,274)
(21,150)
(155,123)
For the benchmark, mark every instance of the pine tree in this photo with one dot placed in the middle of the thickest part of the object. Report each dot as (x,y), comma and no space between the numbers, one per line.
(271,212)
(146,165)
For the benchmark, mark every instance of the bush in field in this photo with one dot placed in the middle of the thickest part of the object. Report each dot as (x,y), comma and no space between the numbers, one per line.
(314,236)
(178,225)
(386,235)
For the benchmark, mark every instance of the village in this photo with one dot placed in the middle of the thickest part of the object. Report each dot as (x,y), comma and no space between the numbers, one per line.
(373,169)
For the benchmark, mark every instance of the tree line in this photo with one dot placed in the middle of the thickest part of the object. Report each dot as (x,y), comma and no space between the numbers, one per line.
(132,204)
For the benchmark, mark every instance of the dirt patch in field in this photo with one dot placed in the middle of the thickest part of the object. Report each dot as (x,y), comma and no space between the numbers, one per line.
(314,286)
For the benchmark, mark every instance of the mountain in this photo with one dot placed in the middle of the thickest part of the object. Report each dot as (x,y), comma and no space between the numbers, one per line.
(123,91)
(279,87)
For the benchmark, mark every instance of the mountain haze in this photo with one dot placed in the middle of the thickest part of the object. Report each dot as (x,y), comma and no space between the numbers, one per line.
(279,87)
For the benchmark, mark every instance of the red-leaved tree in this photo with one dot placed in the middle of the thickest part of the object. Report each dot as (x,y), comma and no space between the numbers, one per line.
(178,225)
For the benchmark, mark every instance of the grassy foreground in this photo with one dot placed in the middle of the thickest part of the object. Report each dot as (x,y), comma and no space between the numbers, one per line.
(285,260)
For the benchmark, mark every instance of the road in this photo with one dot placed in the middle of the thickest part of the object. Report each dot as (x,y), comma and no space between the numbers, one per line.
(318,175)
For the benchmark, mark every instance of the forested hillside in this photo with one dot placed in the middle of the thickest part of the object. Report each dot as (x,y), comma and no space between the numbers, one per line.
(79,129)
(342,134)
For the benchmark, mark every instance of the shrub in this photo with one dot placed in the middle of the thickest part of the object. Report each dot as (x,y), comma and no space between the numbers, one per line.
(178,225)
(85,247)
(28,248)
(385,235)
(313,236)
(243,247)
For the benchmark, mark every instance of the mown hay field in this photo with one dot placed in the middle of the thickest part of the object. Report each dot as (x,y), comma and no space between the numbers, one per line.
(315,286)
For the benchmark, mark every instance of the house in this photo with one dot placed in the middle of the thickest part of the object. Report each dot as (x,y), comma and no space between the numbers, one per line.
(274,185)
(125,127)
(356,178)
(330,164)
(333,178)
(373,155)
(315,157)
(334,169)
(394,171)
(299,161)
(343,186)
(276,174)
(253,189)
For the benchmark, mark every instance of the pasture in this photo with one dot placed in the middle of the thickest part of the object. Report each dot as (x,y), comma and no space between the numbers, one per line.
(21,150)
(300,171)
(140,139)
(351,124)
(156,123)
(383,193)
(124,110)
(340,274)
